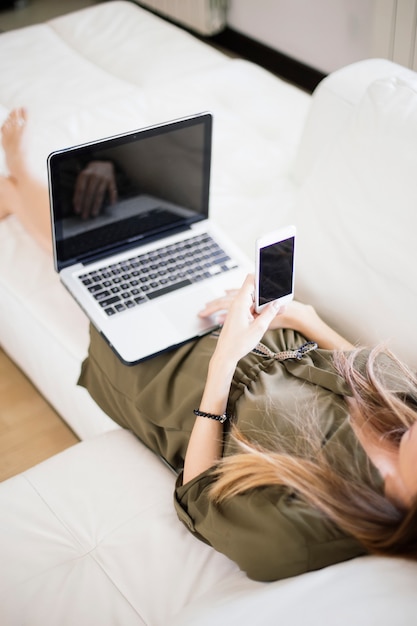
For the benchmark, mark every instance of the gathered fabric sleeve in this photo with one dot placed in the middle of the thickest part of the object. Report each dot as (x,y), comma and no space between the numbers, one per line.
(268,532)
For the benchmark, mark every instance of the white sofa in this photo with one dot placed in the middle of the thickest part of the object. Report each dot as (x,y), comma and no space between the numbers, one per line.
(91,536)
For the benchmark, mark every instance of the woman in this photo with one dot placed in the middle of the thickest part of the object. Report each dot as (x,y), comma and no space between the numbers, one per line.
(293,450)
(318,465)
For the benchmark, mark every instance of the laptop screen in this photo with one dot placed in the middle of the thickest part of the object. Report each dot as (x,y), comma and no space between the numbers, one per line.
(109,194)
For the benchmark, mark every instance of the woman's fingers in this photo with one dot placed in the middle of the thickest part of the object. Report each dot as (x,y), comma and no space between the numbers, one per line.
(219,305)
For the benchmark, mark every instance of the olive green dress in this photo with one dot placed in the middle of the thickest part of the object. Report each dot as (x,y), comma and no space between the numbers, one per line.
(269,532)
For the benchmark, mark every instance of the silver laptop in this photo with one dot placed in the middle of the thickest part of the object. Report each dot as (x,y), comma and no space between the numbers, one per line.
(133,242)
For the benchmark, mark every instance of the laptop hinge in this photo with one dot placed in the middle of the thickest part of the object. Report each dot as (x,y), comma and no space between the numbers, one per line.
(138,241)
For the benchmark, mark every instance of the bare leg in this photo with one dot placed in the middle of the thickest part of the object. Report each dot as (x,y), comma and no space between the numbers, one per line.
(20,193)
(9,196)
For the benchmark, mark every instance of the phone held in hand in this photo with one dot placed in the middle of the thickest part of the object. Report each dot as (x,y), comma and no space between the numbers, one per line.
(274,267)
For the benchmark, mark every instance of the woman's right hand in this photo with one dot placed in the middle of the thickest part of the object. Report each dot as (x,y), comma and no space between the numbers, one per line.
(243,328)
(294,315)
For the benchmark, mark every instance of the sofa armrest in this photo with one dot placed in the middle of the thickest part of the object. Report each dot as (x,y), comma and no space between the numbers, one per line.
(332,105)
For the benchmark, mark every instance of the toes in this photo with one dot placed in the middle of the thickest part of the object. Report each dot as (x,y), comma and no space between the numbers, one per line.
(16,119)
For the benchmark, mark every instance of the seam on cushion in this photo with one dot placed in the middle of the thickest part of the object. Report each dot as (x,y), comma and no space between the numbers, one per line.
(87,552)
(87,60)
(210,65)
(27,306)
(24,305)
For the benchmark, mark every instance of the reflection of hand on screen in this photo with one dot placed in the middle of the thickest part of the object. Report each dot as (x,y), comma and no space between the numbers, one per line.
(95,184)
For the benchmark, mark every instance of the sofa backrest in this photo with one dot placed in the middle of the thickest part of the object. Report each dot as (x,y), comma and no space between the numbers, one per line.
(333,103)
(356,214)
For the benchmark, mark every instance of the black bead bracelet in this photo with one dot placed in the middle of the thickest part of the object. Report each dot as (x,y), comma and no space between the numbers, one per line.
(212,416)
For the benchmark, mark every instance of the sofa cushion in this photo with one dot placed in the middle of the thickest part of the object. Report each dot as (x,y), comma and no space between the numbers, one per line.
(91,536)
(362,592)
(357,218)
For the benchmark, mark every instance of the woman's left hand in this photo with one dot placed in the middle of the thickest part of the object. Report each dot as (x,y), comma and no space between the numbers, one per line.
(243,327)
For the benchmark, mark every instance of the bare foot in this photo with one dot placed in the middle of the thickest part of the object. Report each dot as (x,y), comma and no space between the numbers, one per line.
(12,134)
(20,192)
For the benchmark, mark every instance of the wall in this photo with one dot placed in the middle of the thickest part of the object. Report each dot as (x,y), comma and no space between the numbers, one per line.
(327,34)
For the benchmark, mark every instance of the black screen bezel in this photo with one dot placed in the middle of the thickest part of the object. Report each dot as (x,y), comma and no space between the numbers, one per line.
(56,158)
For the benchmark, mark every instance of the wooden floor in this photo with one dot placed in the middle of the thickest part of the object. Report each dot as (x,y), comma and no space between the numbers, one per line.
(30,430)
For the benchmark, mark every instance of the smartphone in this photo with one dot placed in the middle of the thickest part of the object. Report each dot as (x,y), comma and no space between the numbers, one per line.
(274,267)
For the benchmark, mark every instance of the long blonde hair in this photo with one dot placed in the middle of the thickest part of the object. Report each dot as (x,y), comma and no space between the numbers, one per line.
(385,392)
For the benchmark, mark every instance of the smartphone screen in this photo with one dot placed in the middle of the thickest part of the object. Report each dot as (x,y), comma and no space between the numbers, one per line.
(276,271)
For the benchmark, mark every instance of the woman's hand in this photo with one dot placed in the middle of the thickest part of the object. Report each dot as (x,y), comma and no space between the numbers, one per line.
(93,183)
(242,330)
(219,307)
(294,315)
(243,327)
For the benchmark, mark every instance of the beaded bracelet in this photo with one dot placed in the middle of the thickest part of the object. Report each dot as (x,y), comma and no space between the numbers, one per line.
(212,416)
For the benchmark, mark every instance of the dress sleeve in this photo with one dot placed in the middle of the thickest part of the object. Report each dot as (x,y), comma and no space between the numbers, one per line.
(268,532)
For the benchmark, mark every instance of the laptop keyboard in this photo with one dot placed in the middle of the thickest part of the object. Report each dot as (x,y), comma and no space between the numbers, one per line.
(122,286)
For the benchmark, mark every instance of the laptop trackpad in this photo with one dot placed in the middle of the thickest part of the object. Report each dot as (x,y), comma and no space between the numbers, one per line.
(183,311)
